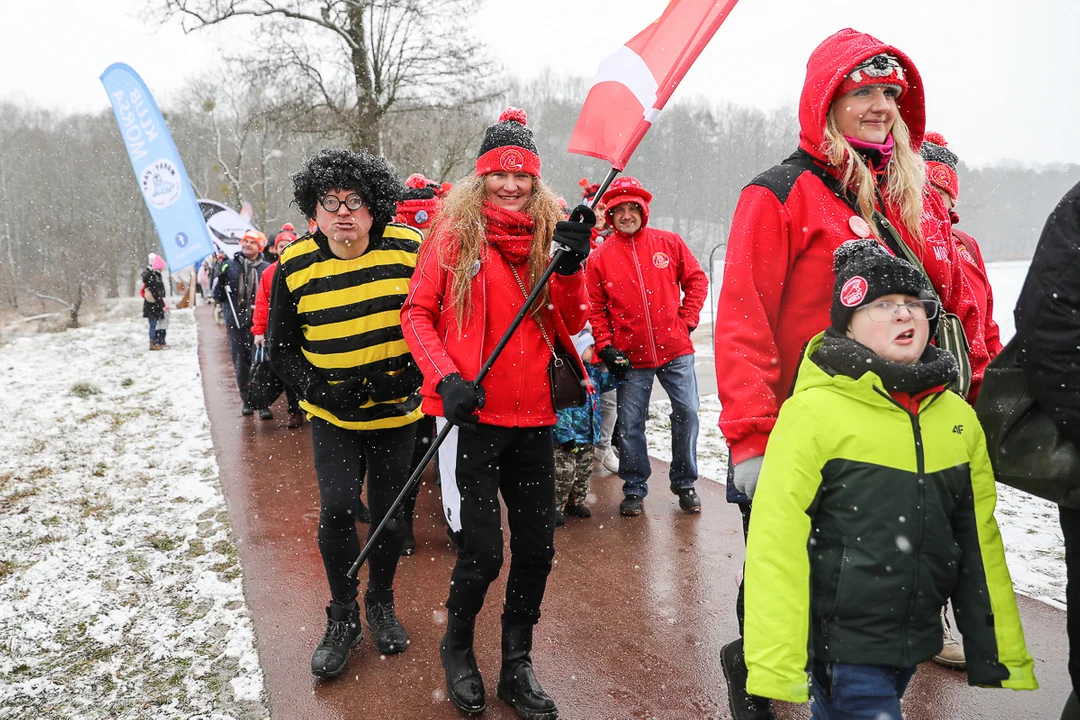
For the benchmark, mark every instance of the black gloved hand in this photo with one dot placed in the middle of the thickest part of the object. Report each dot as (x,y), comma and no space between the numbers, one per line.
(616,361)
(460,398)
(383,387)
(574,235)
(347,395)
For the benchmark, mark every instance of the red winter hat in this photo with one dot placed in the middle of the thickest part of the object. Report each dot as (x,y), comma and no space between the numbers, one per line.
(881,69)
(940,164)
(588,189)
(257,236)
(626,189)
(284,238)
(420,202)
(508,146)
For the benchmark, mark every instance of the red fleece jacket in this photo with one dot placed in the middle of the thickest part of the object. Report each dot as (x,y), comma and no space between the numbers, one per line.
(261,314)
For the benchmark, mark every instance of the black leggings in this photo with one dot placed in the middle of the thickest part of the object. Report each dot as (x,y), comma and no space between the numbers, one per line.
(340,459)
(1070,530)
(476,465)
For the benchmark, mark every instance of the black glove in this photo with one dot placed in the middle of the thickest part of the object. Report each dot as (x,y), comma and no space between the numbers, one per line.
(347,395)
(460,398)
(616,361)
(383,387)
(574,235)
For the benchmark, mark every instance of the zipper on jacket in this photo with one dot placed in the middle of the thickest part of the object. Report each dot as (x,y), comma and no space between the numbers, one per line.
(644,303)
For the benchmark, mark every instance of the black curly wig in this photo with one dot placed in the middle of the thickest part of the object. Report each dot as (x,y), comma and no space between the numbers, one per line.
(370,175)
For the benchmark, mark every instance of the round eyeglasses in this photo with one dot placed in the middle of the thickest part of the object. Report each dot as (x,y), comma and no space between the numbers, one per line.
(331,203)
(886,310)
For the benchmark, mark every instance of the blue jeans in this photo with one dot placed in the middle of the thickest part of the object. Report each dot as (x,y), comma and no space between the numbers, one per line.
(153,329)
(680,383)
(858,692)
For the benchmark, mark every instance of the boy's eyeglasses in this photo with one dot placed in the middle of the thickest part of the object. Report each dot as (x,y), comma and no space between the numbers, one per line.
(331,203)
(886,310)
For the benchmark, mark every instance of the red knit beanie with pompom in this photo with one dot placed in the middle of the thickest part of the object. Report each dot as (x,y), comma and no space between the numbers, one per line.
(508,146)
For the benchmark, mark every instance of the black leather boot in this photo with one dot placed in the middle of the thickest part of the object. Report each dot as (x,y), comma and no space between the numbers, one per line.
(518,687)
(464,686)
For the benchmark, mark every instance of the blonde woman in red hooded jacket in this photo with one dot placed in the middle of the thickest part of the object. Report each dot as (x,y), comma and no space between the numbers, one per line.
(862,120)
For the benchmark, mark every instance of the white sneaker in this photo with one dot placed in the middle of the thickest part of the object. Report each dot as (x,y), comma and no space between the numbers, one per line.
(611,460)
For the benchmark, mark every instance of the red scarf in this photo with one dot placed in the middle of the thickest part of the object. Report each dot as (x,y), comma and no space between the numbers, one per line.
(510,232)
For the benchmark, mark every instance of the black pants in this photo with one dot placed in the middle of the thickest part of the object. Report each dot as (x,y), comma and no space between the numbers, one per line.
(740,604)
(340,459)
(1070,529)
(425,435)
(475,465)
(291,399)
(241,343)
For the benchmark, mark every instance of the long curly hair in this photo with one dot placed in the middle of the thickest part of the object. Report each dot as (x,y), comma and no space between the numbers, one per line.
(905,178)
(461,215)
(370,175)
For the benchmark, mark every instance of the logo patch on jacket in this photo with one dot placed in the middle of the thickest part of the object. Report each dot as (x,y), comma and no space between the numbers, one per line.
(661,260)
(854,291)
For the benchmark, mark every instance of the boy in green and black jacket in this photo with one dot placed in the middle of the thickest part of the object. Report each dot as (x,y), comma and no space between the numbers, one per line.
(877,488)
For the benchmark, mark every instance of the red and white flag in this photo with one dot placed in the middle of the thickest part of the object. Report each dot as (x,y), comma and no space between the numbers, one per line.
(633,85)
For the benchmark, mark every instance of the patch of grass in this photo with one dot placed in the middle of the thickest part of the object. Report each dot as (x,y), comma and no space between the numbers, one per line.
(18,495)
(41,472)
(7,567)
(51,521)
(162,543)
(100,468)
(49,538)
(127,382)
(196,548)
(85,390)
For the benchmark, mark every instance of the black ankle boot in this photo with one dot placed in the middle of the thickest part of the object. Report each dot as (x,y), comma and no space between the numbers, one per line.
(388,632)
(343,631)
(464,685)
(518,687)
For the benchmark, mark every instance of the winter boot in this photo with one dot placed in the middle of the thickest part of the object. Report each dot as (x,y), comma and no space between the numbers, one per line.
(265,414)
(631,505)
(560,518)
(577,508)
(295,420)
(464,686)
(744,706)
(952,652)
(518,687)
(389,633)
(689,500)
(343,631)
(1072,708)
(246,410)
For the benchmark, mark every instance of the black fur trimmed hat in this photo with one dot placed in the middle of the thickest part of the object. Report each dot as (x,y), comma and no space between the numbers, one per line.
(508,146)
(865,271)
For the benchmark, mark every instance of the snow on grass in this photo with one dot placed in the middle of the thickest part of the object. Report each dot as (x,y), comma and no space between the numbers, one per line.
(1030,530)
(120,585)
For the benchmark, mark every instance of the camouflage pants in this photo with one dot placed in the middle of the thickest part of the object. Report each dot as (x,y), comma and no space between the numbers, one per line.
(573,468)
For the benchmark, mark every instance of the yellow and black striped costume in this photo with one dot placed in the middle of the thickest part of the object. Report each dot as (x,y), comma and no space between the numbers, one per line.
(333,319)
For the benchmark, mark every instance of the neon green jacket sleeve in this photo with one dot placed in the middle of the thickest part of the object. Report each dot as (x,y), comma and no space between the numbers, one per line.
(777,564)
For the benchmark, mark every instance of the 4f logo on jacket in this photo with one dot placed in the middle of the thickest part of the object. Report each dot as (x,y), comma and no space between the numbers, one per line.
(958,429)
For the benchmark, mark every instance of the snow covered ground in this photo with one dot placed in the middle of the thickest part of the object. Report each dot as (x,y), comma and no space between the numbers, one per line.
(120,584)
(1034,546)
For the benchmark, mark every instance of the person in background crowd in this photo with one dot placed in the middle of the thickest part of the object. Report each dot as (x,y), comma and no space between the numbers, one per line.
(153,292)
(235,292)
(418,208)
(577,431)
(871,512)
(941,172)
(861,115)
(282,240)
(336,339)
(491,244)
(646,290)
(1048,329)
(607,448)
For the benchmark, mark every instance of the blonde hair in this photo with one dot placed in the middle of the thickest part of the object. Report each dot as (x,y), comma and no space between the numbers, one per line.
(905,177)
(461,214)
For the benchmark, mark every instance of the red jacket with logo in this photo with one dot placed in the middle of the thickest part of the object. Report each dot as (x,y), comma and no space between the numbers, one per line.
(778,275)
(261,314)
(975,274)
(518,392)
(646,292)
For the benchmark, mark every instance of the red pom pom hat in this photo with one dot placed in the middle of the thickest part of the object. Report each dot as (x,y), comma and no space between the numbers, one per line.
(508,146)
(882,69)
(626,189)
(418,206)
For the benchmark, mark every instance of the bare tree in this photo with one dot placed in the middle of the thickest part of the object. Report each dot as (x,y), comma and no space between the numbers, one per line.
(357,60)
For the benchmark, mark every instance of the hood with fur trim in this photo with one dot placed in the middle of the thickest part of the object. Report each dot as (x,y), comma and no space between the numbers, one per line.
(826,69)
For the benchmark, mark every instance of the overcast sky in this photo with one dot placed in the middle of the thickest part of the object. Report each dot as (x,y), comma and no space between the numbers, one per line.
(1002,77)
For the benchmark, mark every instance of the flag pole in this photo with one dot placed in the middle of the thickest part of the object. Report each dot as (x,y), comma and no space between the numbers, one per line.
(417,473)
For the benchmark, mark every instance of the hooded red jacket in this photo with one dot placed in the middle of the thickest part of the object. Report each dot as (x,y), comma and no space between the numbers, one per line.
(646,291)
(517,389)
(778,275)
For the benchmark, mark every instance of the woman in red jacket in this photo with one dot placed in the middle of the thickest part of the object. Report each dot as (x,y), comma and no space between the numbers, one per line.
(862,118)
(490,245)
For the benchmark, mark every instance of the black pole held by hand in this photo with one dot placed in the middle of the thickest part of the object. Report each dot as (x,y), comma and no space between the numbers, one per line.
(577,215)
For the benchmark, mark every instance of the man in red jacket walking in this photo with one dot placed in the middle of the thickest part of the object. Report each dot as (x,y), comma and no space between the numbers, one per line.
(646,290)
